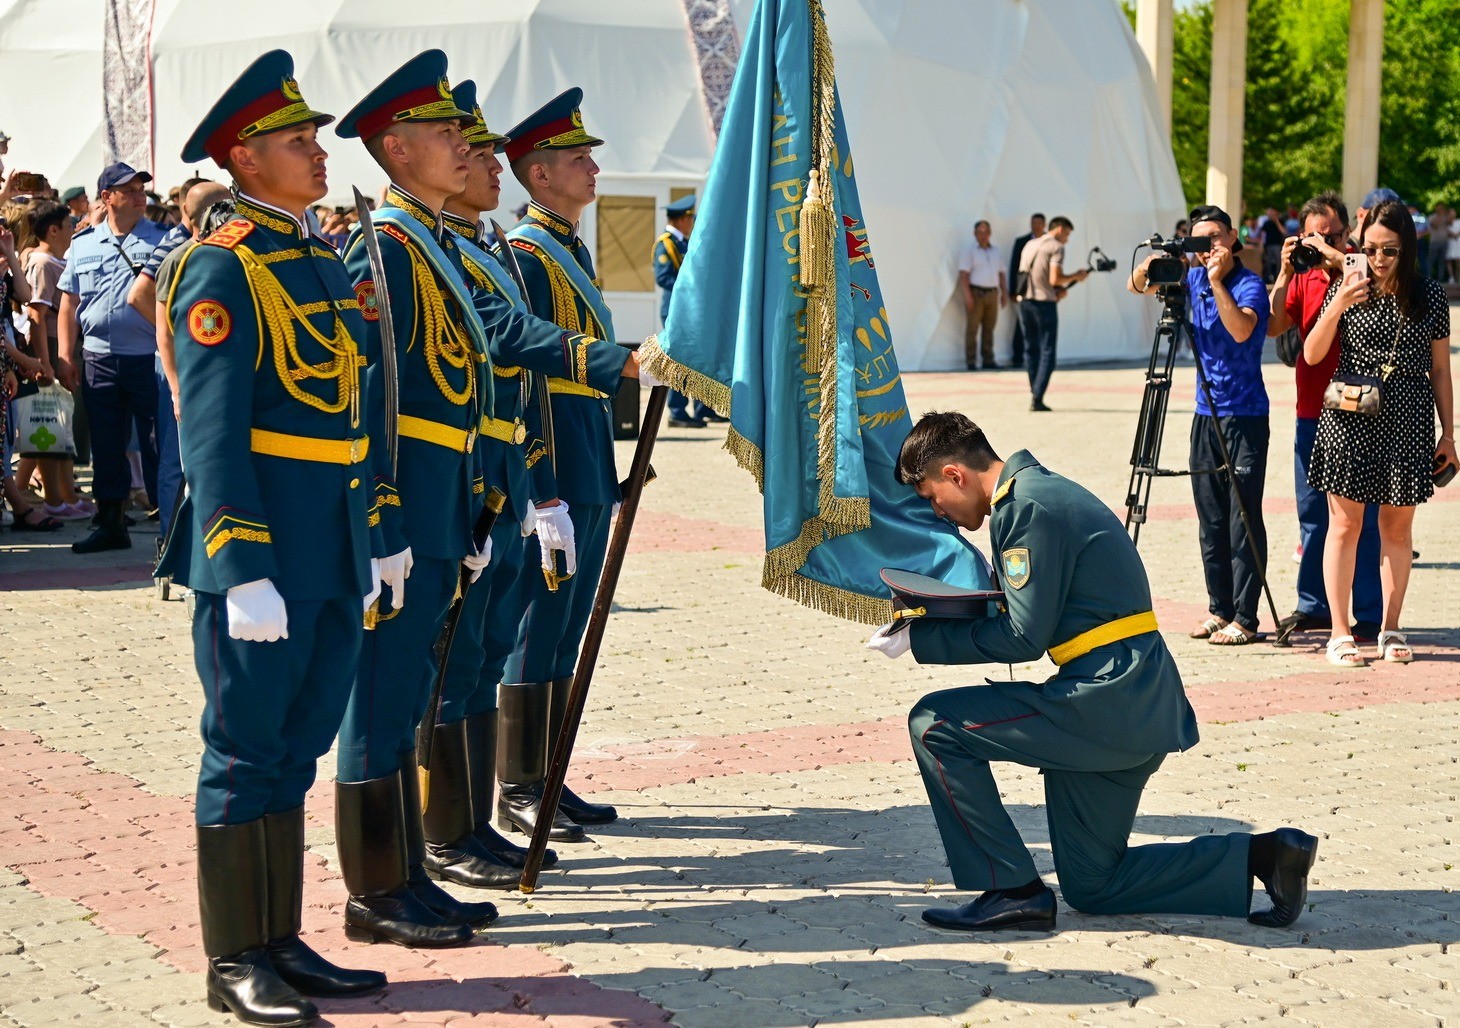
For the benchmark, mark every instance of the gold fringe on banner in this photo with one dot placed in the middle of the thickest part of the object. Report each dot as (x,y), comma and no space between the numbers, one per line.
(818,239)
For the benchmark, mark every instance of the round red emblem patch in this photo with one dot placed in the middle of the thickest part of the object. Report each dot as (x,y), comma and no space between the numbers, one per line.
(365,295)
(209,322)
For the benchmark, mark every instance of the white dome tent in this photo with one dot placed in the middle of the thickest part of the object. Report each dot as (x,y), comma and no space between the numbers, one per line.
(956,111)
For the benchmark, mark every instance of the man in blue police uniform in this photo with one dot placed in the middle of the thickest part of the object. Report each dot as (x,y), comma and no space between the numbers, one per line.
(409,125)
(666,258)
(115,366)
(552,157)
(511,442)
(270,350)
(1075,587)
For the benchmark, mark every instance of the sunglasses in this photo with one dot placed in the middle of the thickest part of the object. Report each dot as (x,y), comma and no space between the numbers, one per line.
(1374,251)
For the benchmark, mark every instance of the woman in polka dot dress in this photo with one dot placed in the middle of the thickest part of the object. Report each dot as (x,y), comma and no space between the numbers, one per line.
(1395,326)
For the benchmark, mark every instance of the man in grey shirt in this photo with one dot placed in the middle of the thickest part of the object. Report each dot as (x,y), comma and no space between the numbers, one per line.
(1043,260)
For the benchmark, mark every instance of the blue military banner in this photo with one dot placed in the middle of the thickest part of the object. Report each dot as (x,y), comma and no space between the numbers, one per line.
(776,320)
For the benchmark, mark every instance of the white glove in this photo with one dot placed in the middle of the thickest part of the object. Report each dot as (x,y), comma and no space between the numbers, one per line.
(618,505)
(529,523)
(394,570)
(479,561)
(647,378)
(374,593)
(256,612)
(893,644)
(555,532)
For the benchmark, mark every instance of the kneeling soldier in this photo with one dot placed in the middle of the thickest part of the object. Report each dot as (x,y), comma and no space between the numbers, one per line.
(270,353)
(1074,586)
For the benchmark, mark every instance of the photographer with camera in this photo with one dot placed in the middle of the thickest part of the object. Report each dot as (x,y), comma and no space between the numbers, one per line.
(1228,314)
(1046,285)
(1311,262)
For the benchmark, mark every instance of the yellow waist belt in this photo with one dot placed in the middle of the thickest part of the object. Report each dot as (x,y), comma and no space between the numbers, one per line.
(457,439)
(504,430)
(1100,635)
(562,387)
(303,447)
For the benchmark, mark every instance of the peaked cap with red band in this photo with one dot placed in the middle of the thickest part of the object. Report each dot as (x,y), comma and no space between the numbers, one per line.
(264,99)
(474,128)
(416,91)
(556,125)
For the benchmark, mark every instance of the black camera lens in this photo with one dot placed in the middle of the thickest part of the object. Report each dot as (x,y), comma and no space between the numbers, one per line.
(1305,257)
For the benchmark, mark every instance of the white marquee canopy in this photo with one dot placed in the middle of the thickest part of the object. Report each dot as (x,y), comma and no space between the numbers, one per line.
(956,111)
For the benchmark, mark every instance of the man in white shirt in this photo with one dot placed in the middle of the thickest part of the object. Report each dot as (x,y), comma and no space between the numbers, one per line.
(985,289)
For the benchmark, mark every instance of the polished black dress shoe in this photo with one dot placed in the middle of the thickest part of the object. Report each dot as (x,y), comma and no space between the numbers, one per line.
(686,422)
(583,812)
(471,914)
(507,851)
(994,911)
(467,862)
(1039,405)
(400,917)
(518,807)
(246,985)
(711,416)
(1287,882)
(313,975)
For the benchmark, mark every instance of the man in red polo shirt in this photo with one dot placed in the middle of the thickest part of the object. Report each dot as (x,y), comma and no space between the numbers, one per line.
(1297,299)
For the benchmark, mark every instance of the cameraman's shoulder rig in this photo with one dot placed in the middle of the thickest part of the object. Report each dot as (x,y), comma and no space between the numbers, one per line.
(301,328)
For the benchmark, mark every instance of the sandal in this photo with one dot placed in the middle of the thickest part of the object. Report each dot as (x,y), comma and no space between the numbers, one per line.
(1208,628)
(1343,652)
(1394,648)
(24,524)
(1232,634)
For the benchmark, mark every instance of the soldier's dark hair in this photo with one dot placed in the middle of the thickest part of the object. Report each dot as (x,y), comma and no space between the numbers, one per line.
(1327,202)
(939,438)
(1060,221)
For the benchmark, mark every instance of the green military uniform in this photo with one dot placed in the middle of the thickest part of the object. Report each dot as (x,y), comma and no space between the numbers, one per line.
(271,355)
(1098,729)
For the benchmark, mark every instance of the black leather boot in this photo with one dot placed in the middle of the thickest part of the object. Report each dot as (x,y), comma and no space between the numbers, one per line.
(481,750)
(432,896)
(575,806)
(452,851)
(370,830)
(232,892)
(523,714)
(294,961)
(110,532)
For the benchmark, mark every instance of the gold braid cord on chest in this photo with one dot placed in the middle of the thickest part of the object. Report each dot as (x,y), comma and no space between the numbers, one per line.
(443,339)
(279,314)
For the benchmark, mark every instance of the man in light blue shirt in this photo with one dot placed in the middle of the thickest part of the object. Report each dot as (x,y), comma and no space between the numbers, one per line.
(115,363)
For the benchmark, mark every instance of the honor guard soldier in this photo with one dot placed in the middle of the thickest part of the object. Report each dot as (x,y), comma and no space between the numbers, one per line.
(512,441)
(1075,587)
(667,256)
(410,126)
(271,349)
(552,157)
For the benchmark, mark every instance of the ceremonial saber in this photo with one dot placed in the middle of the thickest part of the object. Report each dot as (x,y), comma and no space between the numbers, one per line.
(593,638)
(426,730)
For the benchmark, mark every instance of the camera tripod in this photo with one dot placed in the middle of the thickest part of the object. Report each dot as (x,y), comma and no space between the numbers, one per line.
(1171,331)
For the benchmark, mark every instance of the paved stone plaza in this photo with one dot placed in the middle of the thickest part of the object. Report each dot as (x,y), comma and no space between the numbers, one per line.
(775,849)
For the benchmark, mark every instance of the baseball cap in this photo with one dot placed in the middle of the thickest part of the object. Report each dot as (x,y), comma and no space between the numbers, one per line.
(74,193)
(3,137)
(119,174)
(1377,196)
(1211,212)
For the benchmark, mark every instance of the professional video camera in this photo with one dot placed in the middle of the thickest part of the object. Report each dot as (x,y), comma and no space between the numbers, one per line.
(1097,261)
(1171,269)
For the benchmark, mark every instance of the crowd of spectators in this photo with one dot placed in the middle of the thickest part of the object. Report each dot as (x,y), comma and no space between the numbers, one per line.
(81,275)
